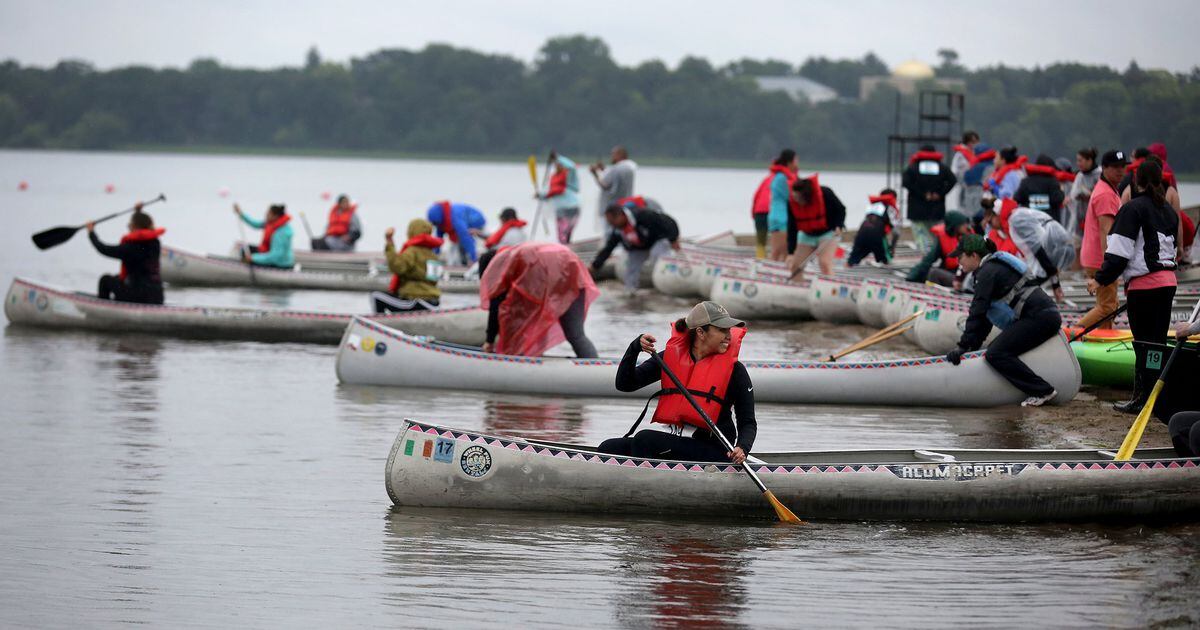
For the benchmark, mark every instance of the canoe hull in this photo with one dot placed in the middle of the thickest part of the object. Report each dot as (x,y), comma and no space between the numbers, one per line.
(180,268)
(832,299)
(431,466)
(404,361)
(762,297)
(32,304)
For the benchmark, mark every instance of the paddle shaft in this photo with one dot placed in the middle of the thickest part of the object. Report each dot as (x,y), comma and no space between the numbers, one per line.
(711,425)
(59,235)
(160,197)
(537,190)
(245,246)
(1117,311)
(307,229)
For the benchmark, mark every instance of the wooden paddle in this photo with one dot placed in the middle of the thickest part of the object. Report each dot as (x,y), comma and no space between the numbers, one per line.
(1120,309)
(307,230)
(245,243)
(59,235)
(537,191)
(881,335)
(1134,436)
(785,515)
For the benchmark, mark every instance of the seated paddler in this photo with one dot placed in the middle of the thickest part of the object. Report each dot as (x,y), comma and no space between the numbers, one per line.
(703,353)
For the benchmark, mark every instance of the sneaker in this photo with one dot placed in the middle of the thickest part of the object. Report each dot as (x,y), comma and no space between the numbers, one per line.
(1038,401)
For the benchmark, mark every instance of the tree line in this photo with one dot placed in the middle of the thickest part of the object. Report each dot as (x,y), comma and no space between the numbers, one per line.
(576,98)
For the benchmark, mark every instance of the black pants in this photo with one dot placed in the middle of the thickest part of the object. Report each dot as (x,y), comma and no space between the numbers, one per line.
(1149,320)
(869,240)
(1184,428)
(1023,335)
(572,326)
(382,302)
(653,444)
(791,235)
(113,288)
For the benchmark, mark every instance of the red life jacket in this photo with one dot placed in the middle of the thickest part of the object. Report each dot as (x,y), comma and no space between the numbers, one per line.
(1000,237)
(762,196)
(499,234)
(637,201)
(269,231)
(999,174)
(921,156)
(810,218)
(1038,169)
(558,184)
(420,240)
(947,243)
(890,200)
(973,158)
(707,380)
(447,224)
(1189,230)
(339,222)
(1167,173)
(137,236)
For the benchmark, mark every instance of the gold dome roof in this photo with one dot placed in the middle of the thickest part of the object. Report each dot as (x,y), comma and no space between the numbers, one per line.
(913,69)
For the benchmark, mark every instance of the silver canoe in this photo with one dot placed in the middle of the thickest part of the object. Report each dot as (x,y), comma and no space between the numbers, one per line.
(435,466)
(182,268)
(373,354)
(762,296)
(34,304)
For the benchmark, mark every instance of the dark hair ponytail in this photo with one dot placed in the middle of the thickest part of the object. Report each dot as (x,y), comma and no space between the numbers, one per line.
(990,245)
(786,157)
(1149,179)
(681,325)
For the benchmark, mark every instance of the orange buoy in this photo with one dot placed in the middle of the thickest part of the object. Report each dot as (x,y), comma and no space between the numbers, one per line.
(24,185)
(326,195)
(223,192)
(109,188)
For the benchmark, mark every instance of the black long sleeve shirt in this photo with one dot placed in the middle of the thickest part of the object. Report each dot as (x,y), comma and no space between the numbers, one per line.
(651,227)
(739,395)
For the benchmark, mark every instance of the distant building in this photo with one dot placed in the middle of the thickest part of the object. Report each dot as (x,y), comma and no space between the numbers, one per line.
(906,77)
(799,88)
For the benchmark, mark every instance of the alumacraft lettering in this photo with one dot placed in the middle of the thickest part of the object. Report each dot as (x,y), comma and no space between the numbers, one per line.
(955,472)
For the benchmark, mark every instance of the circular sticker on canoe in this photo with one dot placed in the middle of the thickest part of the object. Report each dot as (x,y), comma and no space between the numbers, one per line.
(368,344)
(750,290)
(42,302)
(476,461)
(178,261)
(380,349)
(685,270)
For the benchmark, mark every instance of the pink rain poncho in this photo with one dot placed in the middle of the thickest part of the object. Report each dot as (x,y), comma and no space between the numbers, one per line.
(542,280)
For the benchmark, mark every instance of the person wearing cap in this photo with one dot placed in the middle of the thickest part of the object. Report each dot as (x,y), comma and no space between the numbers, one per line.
(703,353)
(511,231)
(342,230)
(938,266)
(645,234)
(1102,208)
(1026,316)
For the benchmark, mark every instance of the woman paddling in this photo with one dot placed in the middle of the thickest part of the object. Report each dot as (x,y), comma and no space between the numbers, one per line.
(139,280)
(703,352)
(275,250)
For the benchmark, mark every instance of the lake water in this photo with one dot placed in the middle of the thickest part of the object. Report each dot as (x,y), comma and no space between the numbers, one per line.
(176,483)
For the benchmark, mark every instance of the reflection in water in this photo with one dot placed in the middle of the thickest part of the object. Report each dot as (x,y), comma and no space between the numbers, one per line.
(693,582)
(559,420)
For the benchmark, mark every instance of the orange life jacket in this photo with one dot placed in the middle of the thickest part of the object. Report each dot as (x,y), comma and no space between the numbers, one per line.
(947,243)
(339,222)
(447,223)
(269,231)
(137,236)
(972,157)
(921,156)
(999,174)
(494,239)
(1051,171)
(762,196)
(707,380)
(558,184)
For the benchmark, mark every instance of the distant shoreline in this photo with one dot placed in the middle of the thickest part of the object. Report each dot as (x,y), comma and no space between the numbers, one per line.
(851,167)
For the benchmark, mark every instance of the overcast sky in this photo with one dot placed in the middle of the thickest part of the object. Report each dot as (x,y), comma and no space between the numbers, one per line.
(270,33)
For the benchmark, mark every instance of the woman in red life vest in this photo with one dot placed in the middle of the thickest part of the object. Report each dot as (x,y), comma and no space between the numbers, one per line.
(139,280)
(703,353)
(773,208)
(275,249)
(343,229)
(820,218)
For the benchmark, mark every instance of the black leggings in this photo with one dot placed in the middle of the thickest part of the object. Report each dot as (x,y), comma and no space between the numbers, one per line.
(113,288)
(1185,433)
(1021,336)
(1149,319)
(652,444)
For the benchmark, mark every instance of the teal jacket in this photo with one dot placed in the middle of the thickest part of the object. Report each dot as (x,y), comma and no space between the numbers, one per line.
(777,216)
(281,246)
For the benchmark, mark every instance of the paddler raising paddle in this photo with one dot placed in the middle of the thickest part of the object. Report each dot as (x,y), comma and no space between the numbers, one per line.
(703,353)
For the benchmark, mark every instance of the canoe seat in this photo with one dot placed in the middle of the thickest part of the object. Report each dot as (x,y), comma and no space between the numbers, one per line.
(931,456)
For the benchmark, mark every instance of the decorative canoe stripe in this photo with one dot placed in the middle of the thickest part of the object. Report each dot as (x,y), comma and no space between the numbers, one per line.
(774,280)
(437,347)
(634,462)
(202,310)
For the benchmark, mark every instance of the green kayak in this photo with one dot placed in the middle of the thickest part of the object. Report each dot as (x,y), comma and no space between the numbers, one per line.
(1107,363)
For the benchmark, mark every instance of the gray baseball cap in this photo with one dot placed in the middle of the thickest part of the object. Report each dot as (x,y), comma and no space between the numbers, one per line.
(711,313)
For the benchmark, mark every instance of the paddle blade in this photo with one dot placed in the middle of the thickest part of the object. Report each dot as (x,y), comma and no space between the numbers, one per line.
(785,515)
(1135,432)
(54,236)
(532,162)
